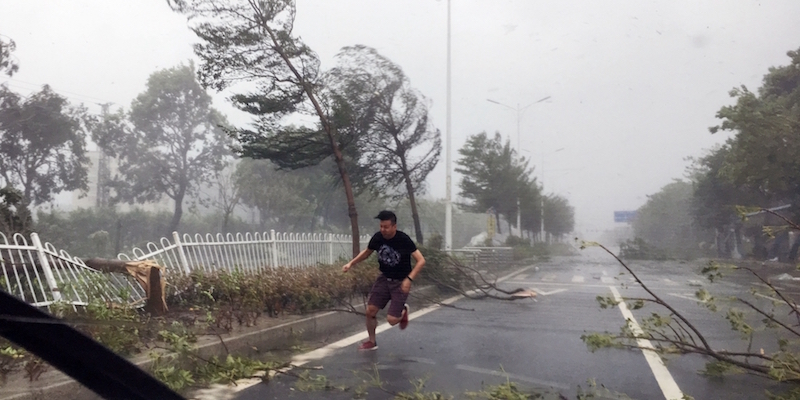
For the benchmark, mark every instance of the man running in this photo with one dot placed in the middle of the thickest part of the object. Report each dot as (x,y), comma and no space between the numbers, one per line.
(395,250)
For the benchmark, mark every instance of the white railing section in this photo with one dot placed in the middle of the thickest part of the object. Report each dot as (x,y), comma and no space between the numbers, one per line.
(42,275)
(249,252)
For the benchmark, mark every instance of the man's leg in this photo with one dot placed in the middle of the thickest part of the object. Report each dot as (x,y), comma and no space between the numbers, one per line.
(378,298)
(372,321)
(397,308)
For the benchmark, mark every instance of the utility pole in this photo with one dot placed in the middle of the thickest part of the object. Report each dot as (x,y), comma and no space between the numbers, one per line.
(448,218)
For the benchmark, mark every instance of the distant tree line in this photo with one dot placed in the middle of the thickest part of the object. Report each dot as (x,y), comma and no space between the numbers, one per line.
(757,167)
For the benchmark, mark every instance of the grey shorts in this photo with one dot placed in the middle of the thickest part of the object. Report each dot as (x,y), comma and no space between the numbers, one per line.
(386,289)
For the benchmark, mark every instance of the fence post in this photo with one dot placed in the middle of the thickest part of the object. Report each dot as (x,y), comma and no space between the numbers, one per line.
(330,249)
(274,248)
(45,263)
(178,245)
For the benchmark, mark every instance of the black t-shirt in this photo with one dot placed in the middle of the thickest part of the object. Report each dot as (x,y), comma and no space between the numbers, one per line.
(394,255)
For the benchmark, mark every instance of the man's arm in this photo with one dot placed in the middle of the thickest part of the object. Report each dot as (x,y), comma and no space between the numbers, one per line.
(418,266)
(359,258)
(420,262)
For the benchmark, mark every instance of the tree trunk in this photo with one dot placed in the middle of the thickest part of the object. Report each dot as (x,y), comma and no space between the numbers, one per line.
(176,216)
(412,200)
(330,131)
(147,273)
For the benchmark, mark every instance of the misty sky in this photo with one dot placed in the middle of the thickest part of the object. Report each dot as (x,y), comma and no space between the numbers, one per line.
(634,84)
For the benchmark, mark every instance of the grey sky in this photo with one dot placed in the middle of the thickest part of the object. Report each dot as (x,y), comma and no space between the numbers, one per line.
(634,84)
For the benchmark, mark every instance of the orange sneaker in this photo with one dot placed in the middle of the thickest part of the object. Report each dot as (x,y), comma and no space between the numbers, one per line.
(368,345)
(404,320)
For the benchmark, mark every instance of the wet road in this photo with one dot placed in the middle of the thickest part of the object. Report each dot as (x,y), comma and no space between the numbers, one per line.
(533,343)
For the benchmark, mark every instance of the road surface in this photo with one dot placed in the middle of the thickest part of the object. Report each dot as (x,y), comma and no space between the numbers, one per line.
(535,344)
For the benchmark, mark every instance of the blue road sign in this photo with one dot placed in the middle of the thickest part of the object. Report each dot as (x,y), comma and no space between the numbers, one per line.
(624,216)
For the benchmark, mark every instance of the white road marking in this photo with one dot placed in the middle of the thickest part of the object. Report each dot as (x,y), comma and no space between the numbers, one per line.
(607,279)
(577,278)
(543,293)
(604,272)
(521,276)
(226,391)
(775,299)
(664,378)
(513,376)
(549,278)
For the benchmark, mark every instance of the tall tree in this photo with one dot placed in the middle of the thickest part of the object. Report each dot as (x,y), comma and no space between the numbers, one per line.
(665,221)
(531,205)
(247,40)
(559,216)
(228,196)
(169,144)
(280,197)
(400,147)
(42,144)
(493,176)
(763,157)
(7,65)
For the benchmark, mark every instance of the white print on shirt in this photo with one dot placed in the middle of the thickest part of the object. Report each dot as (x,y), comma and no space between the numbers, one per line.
(388,256)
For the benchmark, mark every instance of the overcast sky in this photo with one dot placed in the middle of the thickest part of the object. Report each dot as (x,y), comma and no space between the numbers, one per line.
(634,84)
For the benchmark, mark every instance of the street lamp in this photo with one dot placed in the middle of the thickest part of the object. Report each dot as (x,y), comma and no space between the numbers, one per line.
(519,111)
(448,215)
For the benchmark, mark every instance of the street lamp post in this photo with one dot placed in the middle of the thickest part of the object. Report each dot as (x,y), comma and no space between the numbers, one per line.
(448,216)
(519,111)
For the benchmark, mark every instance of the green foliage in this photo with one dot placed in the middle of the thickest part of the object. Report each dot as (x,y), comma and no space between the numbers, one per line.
(718,369)
(42,144)
(593,391)
(15,216)
(559,216)
(666,221)
(116,326)
(14,359)
(606,302)
(11,359)
(495,177)
(315,383)
(763,156)
(639,249)
(419,393)
(373,97)
(169,144)
(236,299)
(596,341)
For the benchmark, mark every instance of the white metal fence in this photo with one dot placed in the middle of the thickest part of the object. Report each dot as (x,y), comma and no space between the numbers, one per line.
(245,252)
(42,275)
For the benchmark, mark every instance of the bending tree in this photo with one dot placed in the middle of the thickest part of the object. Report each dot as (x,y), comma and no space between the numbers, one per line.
(170,143)
(42,144)
(493,176)
(559,216)
(253,41)
(400,146)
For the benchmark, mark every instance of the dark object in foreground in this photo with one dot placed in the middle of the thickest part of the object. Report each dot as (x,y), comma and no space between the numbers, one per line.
(77,355)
